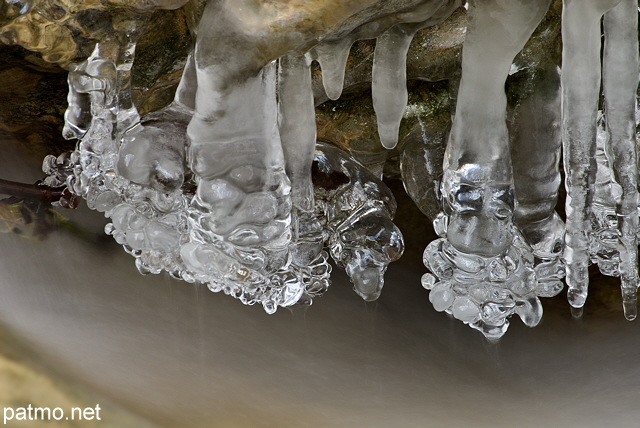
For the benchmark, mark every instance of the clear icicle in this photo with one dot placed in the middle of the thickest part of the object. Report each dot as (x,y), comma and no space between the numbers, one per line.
(620,82)
(535,142)
(603,247)
(332,57)
(127,113)
(389,82)
(389,72)
(297,123)
(242,191)
(580,84)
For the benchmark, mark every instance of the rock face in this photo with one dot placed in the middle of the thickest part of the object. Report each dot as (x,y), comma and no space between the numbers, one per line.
(41,39)
(32,101)
(64,32)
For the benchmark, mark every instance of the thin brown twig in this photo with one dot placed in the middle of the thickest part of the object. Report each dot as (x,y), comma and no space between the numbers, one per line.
(31,191)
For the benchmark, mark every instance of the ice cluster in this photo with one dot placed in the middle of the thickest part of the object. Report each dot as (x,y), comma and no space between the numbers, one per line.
(229,221)
(228,186)
(485,269)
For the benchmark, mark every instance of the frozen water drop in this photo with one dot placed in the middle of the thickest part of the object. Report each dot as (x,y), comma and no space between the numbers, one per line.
(492,332)
(441,296)
(270,307)
(367,282)
(428,281)
(464,309)
(530,311)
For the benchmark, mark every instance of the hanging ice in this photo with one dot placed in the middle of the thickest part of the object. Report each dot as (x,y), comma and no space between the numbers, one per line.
(228,221)
(580,81)
(332,57)
(389,83)
(358,210)
(218,186)
(297,126)
(389,74)
(485,268)
(473,174)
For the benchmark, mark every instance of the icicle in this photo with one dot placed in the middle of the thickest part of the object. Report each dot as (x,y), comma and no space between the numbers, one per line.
(620,82)
(535,143)
(389,82)
(240,155)
(580,84)
(603,247)
(332,57)
(297,123)
(127,114)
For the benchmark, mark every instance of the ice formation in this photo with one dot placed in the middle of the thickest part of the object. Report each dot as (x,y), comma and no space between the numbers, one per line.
(229,220)
(486,268)
(580,82)
(478,190)
(218,187)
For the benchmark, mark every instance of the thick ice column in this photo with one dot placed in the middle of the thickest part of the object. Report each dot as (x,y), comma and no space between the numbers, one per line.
(534,133)
(484,266)
(478,149)
(580,87)
(239,165)
(297,120)
(620,82)
(240,217)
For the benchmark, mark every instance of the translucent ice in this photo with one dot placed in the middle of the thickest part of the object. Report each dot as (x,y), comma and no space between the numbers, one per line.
(484,258)
(389,74)
(604,223)
(216,208)
(332,57)
(218,187)
(620,81)
(358,209)
(297,126)
(581,80)
(388,86)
